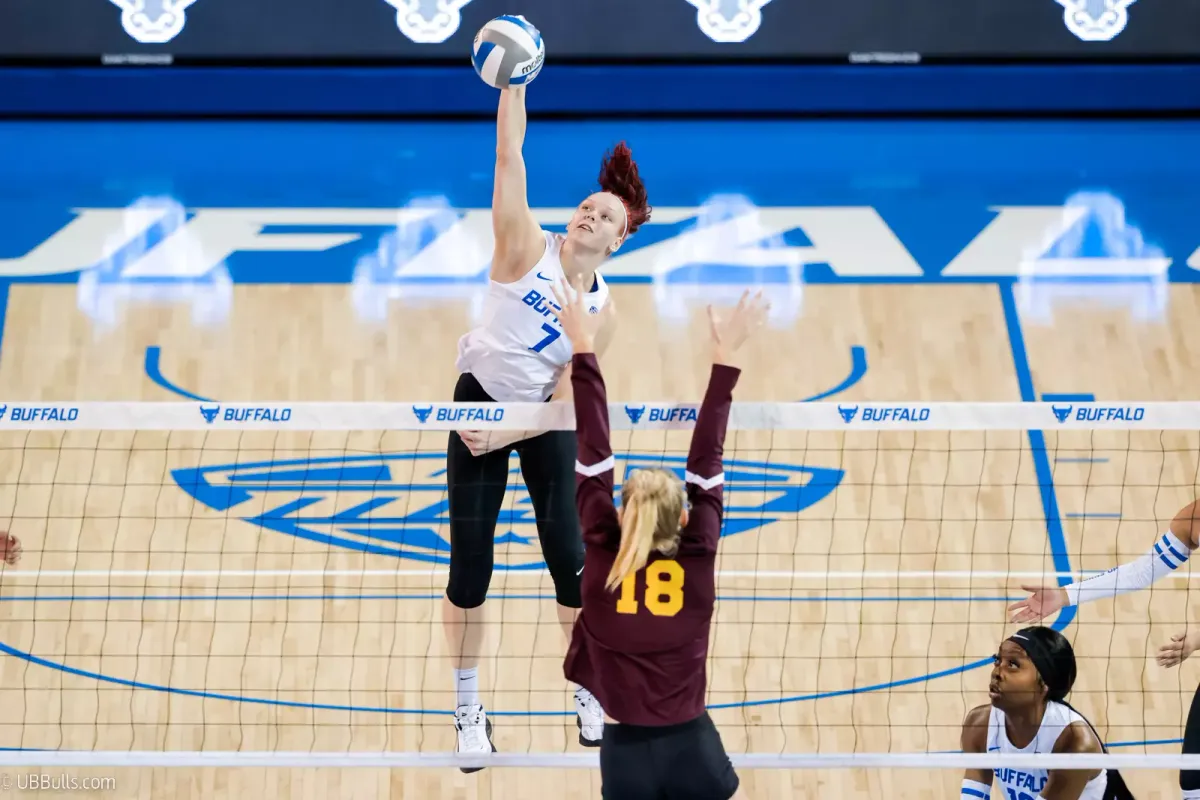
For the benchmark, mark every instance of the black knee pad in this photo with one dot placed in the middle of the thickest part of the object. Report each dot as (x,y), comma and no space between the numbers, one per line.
(1189,780)
(567,592)
(465,598)
(564,559)
(467,588)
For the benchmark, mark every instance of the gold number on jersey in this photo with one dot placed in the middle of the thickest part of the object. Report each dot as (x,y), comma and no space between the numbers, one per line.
(664,590)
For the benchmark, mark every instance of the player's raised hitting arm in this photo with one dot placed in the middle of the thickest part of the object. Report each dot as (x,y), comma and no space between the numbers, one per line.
(519,241)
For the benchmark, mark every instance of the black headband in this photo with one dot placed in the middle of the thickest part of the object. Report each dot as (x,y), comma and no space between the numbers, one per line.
(1045,663)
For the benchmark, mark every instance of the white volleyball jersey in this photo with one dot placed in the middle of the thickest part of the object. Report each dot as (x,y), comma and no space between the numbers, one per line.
(519,352)
(1027,784)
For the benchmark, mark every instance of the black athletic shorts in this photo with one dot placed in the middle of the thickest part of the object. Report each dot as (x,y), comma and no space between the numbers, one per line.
(674,762)
(476,486)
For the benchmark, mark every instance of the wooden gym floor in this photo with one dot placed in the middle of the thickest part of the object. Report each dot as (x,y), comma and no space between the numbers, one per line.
(217,669)
(845,626)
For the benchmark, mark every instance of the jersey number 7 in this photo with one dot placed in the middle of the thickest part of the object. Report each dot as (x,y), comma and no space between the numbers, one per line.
(551,334)
(664,590)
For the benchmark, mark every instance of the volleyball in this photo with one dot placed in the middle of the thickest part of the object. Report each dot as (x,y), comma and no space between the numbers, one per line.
(508,51)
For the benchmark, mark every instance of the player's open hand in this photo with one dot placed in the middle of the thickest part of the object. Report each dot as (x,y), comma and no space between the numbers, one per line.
(1176,651)
(580,322)
(1041,603)
(10,548)
(731,330)
(481,442)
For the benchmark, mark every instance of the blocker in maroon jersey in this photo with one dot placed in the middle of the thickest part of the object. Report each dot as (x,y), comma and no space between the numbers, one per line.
(642,648)
(640,644)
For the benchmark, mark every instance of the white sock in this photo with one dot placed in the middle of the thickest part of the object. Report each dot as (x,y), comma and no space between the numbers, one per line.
(466,684)
(1191,794)
(580,691)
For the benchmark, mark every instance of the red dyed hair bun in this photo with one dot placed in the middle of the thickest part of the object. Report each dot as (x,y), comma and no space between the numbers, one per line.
(619,175)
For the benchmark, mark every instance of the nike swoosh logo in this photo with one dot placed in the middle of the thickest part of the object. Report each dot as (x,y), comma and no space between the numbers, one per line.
(543,277)
(580,571)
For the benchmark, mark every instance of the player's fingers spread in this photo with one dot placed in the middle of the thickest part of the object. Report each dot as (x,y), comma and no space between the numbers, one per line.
(559,294)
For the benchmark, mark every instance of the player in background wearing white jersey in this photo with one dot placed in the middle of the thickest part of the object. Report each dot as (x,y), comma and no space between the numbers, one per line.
(1034,671)
(1170,552)
(519,354)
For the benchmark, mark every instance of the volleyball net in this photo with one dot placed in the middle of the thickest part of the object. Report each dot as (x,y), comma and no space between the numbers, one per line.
(261,584)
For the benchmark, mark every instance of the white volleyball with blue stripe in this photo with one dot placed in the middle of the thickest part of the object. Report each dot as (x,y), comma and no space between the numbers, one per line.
(508,52)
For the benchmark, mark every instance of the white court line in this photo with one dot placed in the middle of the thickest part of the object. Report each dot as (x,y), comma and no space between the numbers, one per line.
(540,575)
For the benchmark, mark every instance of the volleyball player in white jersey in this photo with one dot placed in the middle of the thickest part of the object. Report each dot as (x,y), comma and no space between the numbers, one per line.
(519,354)
(1170,552)
(1033,672)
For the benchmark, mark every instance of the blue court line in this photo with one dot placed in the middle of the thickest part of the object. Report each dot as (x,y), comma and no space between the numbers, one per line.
(1068,398)
(1146,743)
(154,372)
(1093,515)
(1037,445)
(858,369)
(437,596)
(96,676)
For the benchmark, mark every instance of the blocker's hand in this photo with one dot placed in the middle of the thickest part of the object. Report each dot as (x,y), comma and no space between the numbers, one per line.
(577,323)
(731,330)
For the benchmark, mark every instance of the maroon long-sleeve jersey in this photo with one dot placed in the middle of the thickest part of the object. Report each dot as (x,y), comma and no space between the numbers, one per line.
(642,649)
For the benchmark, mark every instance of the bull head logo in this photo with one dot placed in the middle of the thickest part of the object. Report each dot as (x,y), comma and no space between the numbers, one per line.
(1096,20)
(428,21)
(153,21)
(729,20)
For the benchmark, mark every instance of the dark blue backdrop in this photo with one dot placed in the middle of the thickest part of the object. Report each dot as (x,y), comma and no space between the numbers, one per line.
(317,57)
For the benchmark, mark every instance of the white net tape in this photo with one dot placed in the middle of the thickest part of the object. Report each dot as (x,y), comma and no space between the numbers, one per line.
(175,416)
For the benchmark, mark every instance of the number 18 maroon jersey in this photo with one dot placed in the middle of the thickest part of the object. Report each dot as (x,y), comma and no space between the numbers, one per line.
(642,649)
